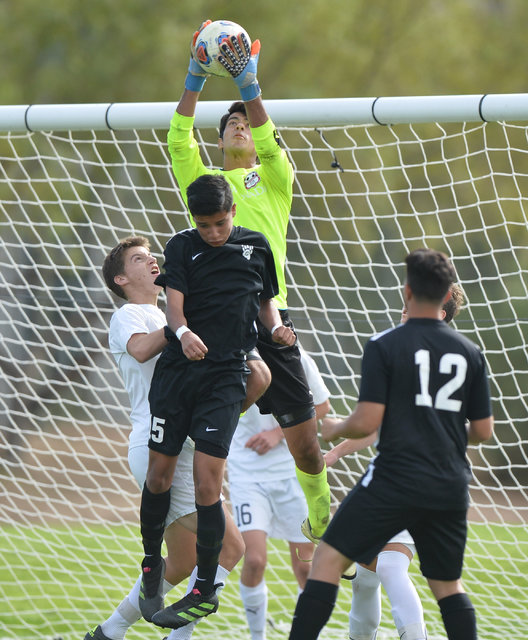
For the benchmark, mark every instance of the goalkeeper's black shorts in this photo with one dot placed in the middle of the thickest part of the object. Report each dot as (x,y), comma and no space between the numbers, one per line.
(288,397)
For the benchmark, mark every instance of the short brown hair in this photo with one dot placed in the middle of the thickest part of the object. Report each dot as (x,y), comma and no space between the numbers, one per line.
(114,263)
(429,274)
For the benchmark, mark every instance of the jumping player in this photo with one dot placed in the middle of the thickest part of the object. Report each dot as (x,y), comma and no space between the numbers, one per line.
(218,279)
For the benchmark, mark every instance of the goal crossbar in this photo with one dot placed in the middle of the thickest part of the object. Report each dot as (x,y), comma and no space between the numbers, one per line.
(295,112)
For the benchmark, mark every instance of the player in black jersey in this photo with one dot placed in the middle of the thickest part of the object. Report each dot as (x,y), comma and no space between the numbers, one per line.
(218,279)
(420,381)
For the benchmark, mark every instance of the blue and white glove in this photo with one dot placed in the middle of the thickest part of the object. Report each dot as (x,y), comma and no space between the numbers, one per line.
(196,76)
(241,61)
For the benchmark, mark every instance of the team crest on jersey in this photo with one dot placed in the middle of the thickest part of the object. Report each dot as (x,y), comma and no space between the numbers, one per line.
(251,180)
(247,250)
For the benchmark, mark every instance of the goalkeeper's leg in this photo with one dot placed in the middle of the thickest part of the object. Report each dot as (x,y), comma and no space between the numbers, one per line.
(311,473)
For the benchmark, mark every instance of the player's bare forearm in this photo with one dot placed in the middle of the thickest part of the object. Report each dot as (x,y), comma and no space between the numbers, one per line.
(192,345)
(174,312)
(270,317)
(347,447)
(187,104)
(144,346)
(256,112)
(362,423)
(480,430)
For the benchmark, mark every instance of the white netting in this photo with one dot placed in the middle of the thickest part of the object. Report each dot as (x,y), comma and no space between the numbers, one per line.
(364,197)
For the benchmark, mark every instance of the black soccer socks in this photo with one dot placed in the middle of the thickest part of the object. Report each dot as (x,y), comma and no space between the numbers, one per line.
(209,538)
(459,617)
(314,607)
(153,511)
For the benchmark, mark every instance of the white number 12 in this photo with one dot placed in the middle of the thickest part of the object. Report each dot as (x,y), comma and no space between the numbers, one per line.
(448,362)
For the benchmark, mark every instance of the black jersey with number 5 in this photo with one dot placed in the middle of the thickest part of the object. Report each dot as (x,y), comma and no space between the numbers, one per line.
(222,287)
(430,379)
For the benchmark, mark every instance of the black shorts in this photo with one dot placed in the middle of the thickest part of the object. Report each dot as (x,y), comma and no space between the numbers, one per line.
(288,397)
(366,520)
(201,399)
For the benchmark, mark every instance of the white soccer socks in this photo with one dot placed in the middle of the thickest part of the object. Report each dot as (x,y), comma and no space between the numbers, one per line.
(365,612)
(255,601)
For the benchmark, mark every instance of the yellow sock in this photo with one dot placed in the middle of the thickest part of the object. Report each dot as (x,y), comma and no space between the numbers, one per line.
(317,493)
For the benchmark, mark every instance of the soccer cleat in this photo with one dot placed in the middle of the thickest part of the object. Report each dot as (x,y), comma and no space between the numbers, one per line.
(193,607)
(151,590)
(306,529)
(96,634)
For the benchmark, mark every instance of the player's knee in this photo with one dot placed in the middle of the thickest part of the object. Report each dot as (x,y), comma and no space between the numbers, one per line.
(158,481)
(233,548)
(307,454)
(392,563)
(257,383)
(254,562)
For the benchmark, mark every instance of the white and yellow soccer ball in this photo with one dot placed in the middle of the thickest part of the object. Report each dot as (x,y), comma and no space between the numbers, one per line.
(206,48)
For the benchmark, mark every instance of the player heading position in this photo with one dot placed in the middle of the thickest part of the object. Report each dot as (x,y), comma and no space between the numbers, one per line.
(136,338)
(261,178)
(218,278)
(420,381)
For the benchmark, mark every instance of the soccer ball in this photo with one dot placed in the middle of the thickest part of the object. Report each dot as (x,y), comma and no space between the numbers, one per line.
(207,45)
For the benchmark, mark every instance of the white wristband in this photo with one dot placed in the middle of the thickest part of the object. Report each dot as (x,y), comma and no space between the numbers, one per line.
(274,328)
(181,330)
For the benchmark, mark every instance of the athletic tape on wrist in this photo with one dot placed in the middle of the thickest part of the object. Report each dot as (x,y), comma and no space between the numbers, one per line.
(275,327)
(181,330)
(194,83)
(250,92)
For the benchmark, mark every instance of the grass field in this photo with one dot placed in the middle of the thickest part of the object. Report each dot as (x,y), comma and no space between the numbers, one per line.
(53,585)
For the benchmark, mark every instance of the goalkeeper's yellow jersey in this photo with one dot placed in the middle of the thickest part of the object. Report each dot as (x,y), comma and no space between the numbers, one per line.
(263,194)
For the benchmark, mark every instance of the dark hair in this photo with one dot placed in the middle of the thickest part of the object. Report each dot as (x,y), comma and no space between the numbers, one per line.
(429,274)
(114,263)
(236,107)
(452,306)
(209,194)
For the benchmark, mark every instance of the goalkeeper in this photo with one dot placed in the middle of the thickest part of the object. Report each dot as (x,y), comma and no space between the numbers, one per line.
(261,178)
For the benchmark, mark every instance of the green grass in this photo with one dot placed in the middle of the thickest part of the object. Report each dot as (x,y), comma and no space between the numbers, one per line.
(53,582)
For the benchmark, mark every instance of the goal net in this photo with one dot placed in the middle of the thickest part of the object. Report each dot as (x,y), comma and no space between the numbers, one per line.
(73,181)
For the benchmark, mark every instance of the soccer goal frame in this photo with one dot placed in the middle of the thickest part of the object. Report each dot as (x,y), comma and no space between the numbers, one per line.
(375,178)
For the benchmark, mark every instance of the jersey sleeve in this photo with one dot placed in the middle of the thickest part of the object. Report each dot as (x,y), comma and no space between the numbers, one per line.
(187,163)
(273,159)
(174,266)
(374,374)
(269,278)
(125,323)
(479,400)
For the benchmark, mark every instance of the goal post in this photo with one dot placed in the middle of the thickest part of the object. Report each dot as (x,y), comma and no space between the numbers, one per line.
(374,179)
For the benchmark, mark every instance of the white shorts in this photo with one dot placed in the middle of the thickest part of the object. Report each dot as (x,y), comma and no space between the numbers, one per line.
(182,488)
(404,537)
(278,508)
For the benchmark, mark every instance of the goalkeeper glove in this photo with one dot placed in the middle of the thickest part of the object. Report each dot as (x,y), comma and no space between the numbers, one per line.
(196,76)
(241,61)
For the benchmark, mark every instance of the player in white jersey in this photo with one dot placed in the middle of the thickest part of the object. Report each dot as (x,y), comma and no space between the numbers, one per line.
(136,338)
(267,499)
(390,567)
